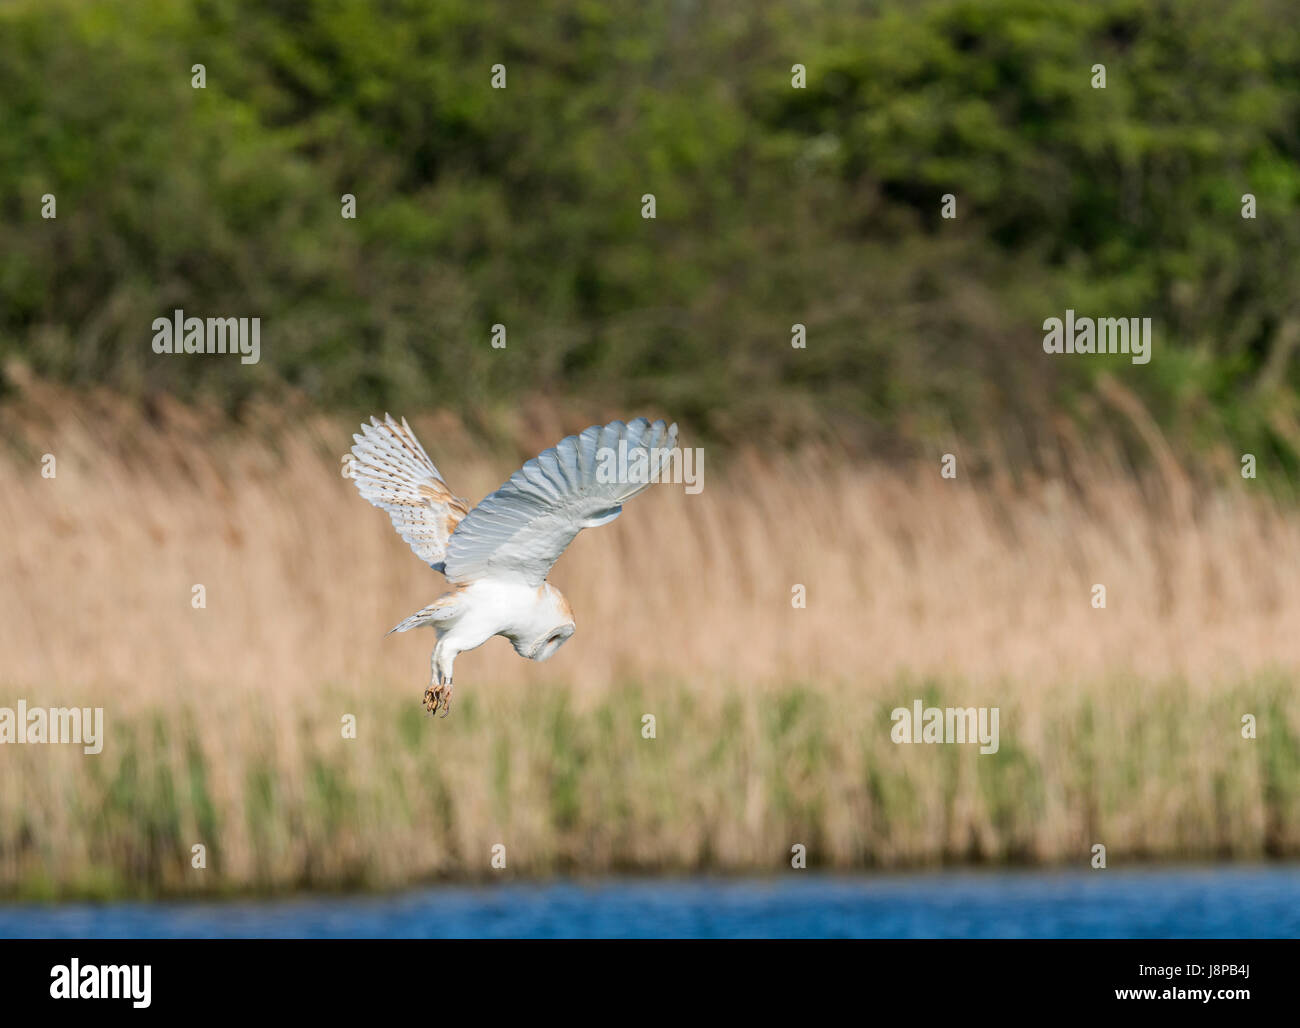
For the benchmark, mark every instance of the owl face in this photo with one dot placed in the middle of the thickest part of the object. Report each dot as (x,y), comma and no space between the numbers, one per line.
(543,644)
(544,626)
(551,641)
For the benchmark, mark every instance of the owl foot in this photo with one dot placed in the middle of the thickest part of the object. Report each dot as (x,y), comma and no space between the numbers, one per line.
(438,695)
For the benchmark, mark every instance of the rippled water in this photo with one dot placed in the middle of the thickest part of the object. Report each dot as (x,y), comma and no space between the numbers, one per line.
(1184,903)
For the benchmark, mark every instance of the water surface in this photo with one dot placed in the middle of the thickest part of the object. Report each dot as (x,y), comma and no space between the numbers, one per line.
(1237,902)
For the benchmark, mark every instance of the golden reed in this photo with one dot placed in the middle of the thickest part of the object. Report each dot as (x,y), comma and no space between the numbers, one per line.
(222,725)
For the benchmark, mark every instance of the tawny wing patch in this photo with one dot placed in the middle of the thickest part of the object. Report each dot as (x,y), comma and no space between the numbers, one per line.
(522,528)
(392,471)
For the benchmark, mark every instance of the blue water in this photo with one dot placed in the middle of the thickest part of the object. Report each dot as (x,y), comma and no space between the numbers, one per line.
(1252,902)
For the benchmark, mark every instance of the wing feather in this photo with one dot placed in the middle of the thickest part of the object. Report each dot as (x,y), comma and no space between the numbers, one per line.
(392,471)
(520,530)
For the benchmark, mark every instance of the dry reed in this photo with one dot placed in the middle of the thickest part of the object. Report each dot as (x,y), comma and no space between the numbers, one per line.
(1119,726)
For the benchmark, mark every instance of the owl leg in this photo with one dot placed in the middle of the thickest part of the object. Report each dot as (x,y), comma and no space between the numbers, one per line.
(439,692)
(445,662)
(434,694)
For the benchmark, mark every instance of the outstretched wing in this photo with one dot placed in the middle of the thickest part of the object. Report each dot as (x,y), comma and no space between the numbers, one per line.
(522,528)
(394,473)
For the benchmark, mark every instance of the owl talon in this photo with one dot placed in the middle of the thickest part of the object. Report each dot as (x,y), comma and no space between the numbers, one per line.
(437,696)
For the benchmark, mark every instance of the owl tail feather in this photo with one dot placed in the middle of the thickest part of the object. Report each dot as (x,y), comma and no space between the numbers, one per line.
(442,609)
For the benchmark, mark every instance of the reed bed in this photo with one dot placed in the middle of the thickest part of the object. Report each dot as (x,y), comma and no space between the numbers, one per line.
(223,725)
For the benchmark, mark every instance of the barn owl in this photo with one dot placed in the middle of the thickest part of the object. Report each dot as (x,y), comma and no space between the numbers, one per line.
(497,556)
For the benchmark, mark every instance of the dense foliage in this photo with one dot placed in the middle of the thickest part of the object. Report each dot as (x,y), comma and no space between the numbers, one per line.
(775,205)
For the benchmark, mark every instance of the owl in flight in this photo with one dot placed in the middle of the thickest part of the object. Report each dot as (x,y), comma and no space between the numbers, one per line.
(497,556)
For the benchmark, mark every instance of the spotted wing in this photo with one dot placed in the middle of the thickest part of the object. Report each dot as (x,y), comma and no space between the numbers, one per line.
(392,471)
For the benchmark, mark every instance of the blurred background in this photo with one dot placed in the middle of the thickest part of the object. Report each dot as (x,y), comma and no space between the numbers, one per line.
(775,206)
